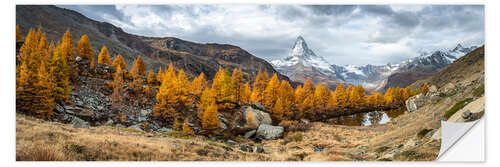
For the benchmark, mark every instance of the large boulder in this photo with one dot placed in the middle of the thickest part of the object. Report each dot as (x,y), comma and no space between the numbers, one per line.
(415,102)
(470,112)
(79,123)
(269,132)
(259,116)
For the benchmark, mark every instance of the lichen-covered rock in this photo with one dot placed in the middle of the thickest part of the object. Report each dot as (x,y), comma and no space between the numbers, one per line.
(269,132)
(250,133)
(79,123)
(415,102)
(259,116)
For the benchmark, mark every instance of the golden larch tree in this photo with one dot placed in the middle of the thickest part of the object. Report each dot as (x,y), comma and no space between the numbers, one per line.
(224,89)
(119,62)
(139,68)
(321,97)
(210,120)
(116,96)
(245,94)
(104,56)
(341,96)
(186,129)
(259,85)
(238,81)
(425,89)
(151,77)
(271,92)
(85,49)
(198,85)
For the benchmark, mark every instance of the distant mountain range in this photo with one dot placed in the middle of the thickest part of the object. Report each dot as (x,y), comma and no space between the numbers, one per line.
(193,58)
(302,62)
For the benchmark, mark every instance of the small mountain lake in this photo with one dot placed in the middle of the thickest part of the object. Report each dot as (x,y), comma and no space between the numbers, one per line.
(367,118)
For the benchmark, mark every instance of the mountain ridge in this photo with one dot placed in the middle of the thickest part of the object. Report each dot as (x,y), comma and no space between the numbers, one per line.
(372,77)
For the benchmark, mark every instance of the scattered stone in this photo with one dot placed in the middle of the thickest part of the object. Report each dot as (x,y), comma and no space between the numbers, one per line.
(119,126)
(137,127)
(230,142)
(430,133)
(109,122)
(202,152)
(318,149)
(361,147)
(78,58)
(79,123)
(467,115)
(391,154)
(410,144)
(433,88)
(58,108)
(303,120)
(259,149)
(176,145)
(250,133)
(243,148)
(269,132)
(165,130)
(375,156)
(399,145)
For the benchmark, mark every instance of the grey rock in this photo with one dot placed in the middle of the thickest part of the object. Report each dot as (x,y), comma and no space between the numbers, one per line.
(259,149)
(79,123)
(303,120)
(137,127)
(430,133)
(399,145)
(259,116)
(433,88)
(467,115)
(119,126)
(243,148)
(58,108)
(269,132)
(230,142)
(318,148)
(109,122)
(165,130)
(78,58)
(250,133)
(415,102)
(391,154)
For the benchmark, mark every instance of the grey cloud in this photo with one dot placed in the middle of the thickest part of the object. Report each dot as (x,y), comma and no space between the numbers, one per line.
(343,34)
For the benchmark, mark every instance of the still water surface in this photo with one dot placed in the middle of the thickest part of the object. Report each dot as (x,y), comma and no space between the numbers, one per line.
(368,118)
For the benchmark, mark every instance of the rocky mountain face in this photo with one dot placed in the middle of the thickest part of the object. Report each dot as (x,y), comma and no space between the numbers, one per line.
(302,63)
(194,58)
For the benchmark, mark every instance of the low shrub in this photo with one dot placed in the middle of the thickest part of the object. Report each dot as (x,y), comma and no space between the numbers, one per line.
(459,105)
(423,132)
(294,126)
(75,148)
(478,91)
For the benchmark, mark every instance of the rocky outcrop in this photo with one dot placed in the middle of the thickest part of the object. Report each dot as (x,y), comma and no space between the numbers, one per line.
(269,132)
(415,102)
(259,116)
(470,112)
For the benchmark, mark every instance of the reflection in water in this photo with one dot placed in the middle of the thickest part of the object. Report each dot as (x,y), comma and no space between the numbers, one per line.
(368,118)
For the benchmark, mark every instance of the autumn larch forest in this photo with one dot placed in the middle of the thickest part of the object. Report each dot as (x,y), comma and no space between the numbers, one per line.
(45,72)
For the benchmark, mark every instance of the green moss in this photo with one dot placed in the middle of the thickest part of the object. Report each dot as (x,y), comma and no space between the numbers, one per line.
(479,91)
(459,105)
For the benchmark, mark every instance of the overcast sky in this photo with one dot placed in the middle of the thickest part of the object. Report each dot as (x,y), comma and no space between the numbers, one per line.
(367,34)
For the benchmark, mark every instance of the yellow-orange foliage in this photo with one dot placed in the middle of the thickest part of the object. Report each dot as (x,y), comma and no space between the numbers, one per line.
(238,82)
(259,85)
(210,120)
(271,92)
(283,107)
(321,97)
(224,89)
(119,62)
(425,89)
(19,34)
(151,77)
(245,94)
(104,56)
(198,85)
(85,48)
(341,96)
(186,129)
(139,68)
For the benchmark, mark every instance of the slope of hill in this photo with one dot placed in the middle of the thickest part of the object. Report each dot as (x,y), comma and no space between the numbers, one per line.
(194,58)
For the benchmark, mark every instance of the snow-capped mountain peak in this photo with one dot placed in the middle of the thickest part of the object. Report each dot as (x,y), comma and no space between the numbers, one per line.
(301,54)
